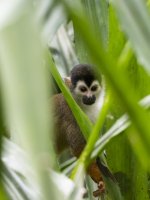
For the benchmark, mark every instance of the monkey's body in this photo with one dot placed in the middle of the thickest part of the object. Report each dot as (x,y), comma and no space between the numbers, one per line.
(66,137)
(86,90)
(65,124)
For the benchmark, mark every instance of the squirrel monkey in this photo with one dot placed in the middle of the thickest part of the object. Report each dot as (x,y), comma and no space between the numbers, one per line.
(86,90)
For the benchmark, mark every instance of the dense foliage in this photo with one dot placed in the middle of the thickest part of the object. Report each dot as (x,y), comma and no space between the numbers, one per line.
(40,41)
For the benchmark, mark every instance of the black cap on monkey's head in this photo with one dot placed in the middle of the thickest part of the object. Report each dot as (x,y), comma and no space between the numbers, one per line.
(83,72)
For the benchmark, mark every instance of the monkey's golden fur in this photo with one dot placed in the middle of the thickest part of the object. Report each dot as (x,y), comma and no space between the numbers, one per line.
(68,134)
(67,131)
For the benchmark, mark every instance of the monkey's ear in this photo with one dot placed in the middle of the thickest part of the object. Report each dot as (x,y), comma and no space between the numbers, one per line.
(67,81)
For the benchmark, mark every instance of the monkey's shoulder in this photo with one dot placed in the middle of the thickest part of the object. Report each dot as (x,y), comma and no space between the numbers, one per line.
(61,108)
(66,129)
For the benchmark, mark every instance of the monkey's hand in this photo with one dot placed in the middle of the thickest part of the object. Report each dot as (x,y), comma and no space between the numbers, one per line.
(67,81)
(103,169)
(94,172)
(101,189)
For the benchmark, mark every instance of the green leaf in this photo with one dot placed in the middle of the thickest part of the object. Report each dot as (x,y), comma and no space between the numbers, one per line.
(135,18)
(25,90)
(118,127)
(83,160)
(51,15)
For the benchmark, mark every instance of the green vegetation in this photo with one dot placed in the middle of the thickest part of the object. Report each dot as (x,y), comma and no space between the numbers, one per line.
(112,35)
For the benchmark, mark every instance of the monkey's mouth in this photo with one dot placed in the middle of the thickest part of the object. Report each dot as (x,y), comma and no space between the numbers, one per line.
(89,100)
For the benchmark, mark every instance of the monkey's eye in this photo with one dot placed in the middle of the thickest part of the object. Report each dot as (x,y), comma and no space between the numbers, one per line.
(83,89)
(94,88)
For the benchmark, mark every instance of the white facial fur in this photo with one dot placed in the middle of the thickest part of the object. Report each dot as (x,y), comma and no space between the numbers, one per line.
(91,110)
(88,91)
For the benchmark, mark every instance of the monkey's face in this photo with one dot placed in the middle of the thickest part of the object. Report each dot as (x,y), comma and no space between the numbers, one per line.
(85,94)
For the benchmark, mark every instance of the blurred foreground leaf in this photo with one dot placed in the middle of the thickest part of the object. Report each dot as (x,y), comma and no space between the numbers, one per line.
(134,17)
(25,91)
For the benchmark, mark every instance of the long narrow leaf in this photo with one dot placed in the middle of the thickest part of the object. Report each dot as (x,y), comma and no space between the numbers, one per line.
(83,160)
(135,18)
(25,90)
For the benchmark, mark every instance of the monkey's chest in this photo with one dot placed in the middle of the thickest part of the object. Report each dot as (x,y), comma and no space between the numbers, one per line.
(92,112)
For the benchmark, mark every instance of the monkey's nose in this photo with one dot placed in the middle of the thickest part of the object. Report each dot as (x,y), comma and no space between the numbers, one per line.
(89,100)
